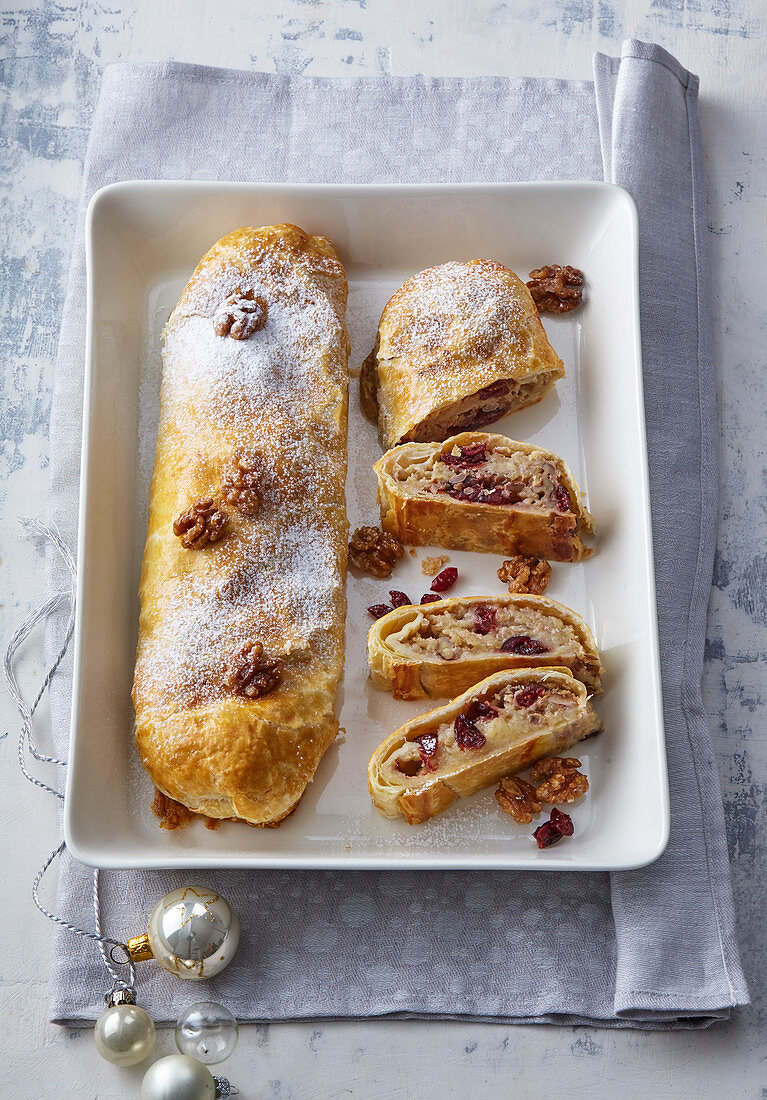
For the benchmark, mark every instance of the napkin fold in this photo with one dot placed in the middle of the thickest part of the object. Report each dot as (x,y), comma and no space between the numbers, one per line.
(653,948)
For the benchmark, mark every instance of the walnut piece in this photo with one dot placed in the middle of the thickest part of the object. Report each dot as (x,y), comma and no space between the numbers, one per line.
(252,674)
(240,315)
(239,484)
(205,522)
(556,289)
(375,551)
(525,574)
(557,779)
(431,566)
(516,797)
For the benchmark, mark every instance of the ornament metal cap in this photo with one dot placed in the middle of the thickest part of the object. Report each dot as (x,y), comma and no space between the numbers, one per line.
(140,948)
(121,996)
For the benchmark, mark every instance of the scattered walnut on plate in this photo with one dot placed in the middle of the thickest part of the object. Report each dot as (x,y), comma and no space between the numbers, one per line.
(556,289)
(431,566)
(557,779)
(516,797)
(375,551)
(525,574)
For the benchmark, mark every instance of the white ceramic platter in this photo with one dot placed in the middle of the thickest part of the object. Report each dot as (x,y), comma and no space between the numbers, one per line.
(143,241)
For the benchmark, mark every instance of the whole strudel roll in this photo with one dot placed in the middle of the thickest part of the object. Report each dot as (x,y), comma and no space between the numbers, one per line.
(442,648)
(241,632)
(500,726)
(458,347)
(478,491)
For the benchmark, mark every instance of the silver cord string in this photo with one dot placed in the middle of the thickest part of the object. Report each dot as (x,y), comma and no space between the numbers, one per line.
(35,527)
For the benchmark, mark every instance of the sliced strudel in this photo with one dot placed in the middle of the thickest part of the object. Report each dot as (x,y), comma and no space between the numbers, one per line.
(241,632)
(458,346)
(441,649)
(478,491)
(500,726)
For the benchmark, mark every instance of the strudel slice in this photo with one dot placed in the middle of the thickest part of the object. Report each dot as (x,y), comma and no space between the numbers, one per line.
(478,491)
(458,346)
(241,633)
(500,726)
(441,649)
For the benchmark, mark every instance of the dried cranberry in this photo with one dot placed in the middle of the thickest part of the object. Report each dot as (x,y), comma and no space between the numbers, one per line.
(445,580)
(562,497)
(562,822)
(495,389)
(547,834)
(524,645)
(399,599)
(481,709)
(379,609)
(467,735)
(529,695)
(429,597)
(470,493)
(473,454)
(428,743)
(484,619)
(495,495)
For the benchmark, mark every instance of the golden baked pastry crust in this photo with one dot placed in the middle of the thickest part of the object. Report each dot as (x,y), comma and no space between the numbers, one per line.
(276,577)
(397,666)
(448,333)
(423,518)
(513,746)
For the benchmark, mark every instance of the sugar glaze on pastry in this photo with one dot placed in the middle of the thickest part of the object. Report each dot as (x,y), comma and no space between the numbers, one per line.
(458,347)
(481,491)
(442,648)
(241,631)
(500,726)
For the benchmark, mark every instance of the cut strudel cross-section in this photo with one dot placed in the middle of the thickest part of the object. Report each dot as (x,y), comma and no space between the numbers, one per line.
(500,726)
(442,648)
(478,491)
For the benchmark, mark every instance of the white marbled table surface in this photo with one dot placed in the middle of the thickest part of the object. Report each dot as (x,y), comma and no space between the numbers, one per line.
(52,55)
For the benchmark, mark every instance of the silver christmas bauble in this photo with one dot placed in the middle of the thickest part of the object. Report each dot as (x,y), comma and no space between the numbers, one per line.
(124,1034)
(207,1031)
(177,1077)
(193,932)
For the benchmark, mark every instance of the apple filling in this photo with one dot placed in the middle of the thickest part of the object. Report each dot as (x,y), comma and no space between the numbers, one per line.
(472,629)
(483,407)
(482,728)
(477,475)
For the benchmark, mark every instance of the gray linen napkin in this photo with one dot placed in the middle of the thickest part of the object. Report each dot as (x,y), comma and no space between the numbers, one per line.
(653,948)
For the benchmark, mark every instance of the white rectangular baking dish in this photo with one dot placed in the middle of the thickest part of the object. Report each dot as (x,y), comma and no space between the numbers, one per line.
(143,241)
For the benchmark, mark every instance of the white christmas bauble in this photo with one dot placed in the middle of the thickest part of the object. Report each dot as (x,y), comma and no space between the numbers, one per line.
(193,932)
(178,1077)
(207,1031)
(124,1035)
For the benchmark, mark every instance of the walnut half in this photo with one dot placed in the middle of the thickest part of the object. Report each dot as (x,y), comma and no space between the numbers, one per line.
(525,574)
(557,779)
(203,523)
(375,551)
(516,797)
(239,484)
(240,315)
(252,674)
(556,289)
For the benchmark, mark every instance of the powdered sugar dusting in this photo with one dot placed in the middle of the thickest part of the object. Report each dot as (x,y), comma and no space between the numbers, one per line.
(465,309)
(276,577)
